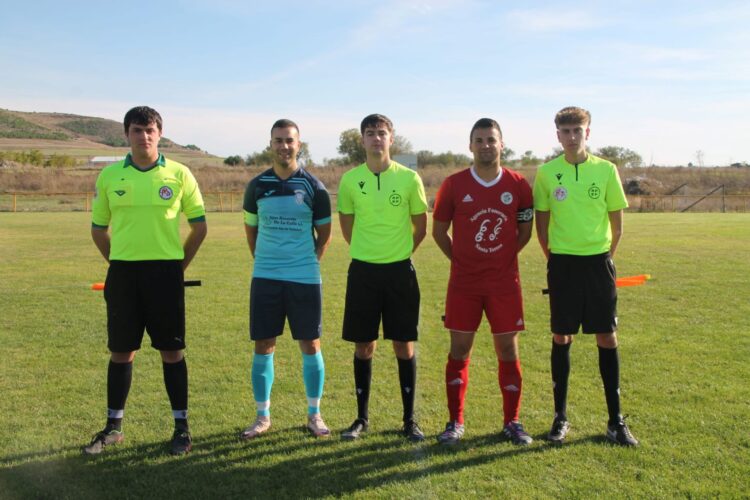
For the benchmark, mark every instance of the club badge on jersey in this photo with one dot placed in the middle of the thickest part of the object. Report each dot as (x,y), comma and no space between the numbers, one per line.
(506,198)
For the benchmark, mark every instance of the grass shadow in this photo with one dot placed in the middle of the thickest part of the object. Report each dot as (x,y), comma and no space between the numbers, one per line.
(285,462)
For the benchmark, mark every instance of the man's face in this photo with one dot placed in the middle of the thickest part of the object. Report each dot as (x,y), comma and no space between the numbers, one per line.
(486,145)
(573,137)
(144,139)
(285,145)
(377,140)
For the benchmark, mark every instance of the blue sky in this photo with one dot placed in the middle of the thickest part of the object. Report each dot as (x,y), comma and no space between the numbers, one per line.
(665,79)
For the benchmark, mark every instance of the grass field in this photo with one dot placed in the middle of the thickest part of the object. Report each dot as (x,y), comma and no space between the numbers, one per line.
(685,372)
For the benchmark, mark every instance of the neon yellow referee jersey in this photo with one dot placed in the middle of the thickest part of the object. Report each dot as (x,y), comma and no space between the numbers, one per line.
(579,199)
(143,208)
(382,205)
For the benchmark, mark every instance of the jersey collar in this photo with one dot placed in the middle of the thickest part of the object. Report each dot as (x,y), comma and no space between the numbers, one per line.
(482,181)
(160,162)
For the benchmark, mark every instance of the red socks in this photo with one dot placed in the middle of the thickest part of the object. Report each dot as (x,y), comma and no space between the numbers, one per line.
(456,382)
(510,380)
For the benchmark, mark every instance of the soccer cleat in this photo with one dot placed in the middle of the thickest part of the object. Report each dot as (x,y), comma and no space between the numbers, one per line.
(182,442)
(357,428)
(559,431)
(620,434)
(514,432)
(103,439)
(452,434)
(317,427)
(412,432)
(261,425)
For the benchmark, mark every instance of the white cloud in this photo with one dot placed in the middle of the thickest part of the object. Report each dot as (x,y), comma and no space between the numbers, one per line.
(667,54)
(545,20)
(715,13)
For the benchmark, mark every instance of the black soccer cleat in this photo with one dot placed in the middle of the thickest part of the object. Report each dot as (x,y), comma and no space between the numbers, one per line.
(559,431)
(102,439)
(620,434)
(412,432)
(355,430)
(182,442)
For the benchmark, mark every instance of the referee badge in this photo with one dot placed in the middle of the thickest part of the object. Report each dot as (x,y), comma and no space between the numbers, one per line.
(165,193)
(394,199)
(506,198)
(561,193)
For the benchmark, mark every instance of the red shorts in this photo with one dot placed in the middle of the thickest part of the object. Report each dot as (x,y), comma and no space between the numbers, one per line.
(463,311)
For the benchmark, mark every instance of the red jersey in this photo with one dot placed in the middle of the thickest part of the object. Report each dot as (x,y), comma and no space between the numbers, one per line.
(485,217)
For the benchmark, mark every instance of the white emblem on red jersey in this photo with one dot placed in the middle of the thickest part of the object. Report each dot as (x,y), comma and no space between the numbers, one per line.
(506,198)
(468,199)
(488,236)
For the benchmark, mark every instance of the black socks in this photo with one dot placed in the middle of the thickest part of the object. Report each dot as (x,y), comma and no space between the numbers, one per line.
(362,380)
(407,377)
(560,362)
(119,377)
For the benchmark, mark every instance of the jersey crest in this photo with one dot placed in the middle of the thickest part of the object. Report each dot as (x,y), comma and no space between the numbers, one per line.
(165,193)
(299,196)
(506,198)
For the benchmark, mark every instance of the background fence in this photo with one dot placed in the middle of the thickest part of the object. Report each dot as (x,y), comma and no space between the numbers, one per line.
(231,201)
(81,202)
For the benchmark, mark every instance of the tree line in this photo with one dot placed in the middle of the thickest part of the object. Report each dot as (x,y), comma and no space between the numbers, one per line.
(353,153)
(38,159)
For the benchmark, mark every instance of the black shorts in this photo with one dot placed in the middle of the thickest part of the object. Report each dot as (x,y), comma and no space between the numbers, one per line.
(273,301)
(146,294)
(390,291)
(582,293)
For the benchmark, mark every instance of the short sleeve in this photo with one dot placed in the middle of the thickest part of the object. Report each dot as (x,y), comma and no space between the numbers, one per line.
(417,198)
(250,204)
(192,200)
(541,192)
(100,212)
(344,201)
(616,199)
(526,201)
(321,206)
(444,202)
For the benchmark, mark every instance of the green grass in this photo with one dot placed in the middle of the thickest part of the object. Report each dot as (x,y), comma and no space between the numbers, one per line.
(684,352)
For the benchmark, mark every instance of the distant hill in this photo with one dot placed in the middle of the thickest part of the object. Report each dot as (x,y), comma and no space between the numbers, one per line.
(66,127)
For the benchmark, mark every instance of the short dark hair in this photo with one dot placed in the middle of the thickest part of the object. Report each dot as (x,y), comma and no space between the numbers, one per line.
(284,123)
(572,115)
(374,120)
(142,115)
(485,123)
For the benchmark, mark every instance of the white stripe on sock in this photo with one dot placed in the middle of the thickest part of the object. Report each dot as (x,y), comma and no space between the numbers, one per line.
(314,402)
(115,413)
(179,413)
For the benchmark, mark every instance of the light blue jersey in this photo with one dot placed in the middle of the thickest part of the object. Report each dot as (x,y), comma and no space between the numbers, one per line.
(285,211)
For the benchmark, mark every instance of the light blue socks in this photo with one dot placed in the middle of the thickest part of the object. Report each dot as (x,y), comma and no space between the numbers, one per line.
(262,377)
(313,372)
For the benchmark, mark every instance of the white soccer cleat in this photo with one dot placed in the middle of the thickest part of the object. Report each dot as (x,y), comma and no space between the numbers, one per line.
(316,426)
(261,425)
